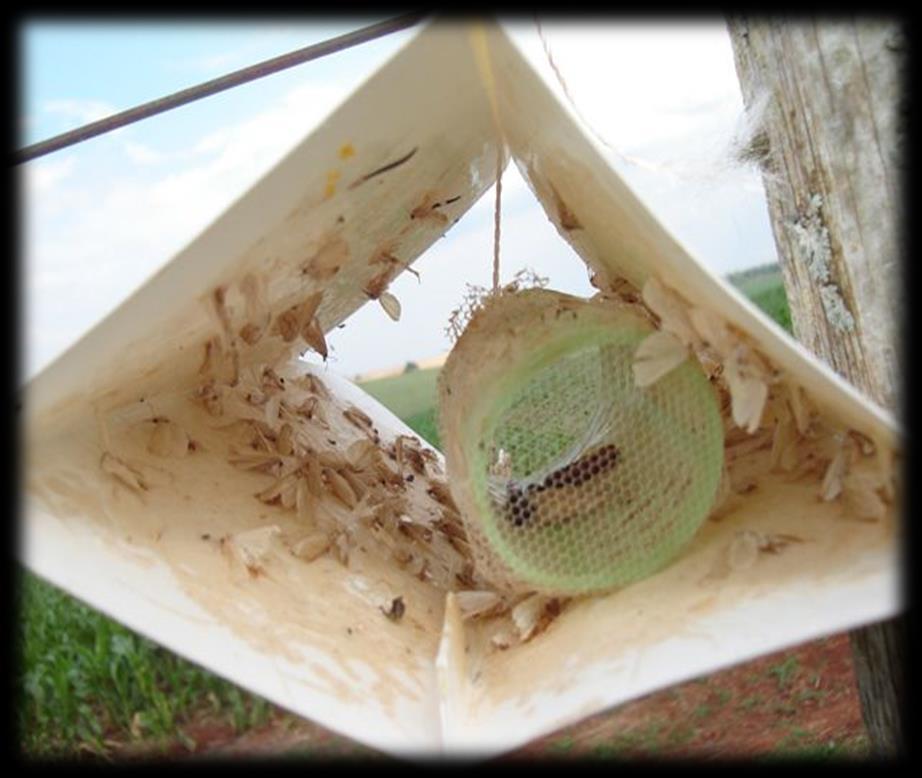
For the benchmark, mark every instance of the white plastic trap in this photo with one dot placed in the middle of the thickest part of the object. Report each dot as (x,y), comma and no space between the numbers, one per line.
(189,476)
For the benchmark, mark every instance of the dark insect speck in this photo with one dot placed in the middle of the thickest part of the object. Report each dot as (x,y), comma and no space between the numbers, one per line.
(396,610)
(520,507)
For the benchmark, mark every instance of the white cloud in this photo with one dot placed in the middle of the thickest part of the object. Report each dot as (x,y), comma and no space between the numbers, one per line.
(263,40)
(665,100)
(269,135)
(83,111)
(142,154)
(41,177)
(669,90)
(90,240)
(210,64)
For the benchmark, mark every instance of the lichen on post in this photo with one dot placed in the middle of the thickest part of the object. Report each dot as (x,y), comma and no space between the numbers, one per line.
(830,132)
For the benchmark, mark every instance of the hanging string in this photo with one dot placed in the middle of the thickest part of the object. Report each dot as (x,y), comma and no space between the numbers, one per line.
(563,85)
(496,217)
(485,67)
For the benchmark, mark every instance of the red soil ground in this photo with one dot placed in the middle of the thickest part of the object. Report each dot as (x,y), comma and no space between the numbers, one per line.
(796,703)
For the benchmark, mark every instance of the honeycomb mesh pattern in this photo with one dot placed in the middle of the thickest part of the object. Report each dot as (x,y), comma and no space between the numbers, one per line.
(585,481)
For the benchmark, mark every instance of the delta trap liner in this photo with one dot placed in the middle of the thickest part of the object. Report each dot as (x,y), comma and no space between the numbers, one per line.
(636,488)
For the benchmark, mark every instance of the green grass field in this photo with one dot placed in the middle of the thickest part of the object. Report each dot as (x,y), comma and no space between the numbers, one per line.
(88,685)
(763,285)
(408,394)
(412,397)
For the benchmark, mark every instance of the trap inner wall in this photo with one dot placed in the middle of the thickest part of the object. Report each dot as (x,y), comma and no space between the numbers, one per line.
(95,545)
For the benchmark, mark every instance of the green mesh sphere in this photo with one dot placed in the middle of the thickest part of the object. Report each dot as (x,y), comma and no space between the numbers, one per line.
(583,481)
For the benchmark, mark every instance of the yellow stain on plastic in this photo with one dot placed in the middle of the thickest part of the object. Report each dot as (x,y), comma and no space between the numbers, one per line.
(478,39)
(330,189)
(346,150)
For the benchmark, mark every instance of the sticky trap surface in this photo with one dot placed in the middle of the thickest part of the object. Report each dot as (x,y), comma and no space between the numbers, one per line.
(188,475)
(145,496)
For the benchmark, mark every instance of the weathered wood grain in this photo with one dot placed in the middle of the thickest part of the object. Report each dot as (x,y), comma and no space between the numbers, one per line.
(829,123)
(830,137)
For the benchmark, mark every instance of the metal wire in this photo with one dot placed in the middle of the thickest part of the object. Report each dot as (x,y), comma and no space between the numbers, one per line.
(238,77)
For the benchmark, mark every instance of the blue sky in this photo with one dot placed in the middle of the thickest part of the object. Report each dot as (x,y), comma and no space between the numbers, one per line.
(80,64)
(101,217)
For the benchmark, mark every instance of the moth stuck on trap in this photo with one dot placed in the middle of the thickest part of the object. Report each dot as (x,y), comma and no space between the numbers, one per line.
(571,478)
(189,475)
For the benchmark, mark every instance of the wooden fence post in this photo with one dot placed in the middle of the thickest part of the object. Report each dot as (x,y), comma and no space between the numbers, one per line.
(828,106)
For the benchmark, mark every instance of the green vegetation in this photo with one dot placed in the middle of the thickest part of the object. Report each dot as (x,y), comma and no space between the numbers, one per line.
(681,735)
(87,684)
(764,287)
(757,277)
(702,711)
(801,746)
(642,742)
(751,702)
(563,745)
(723,697)
(407,394)
(809,695)
(425,425)
(785,671)
(774,302)
(604,751)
